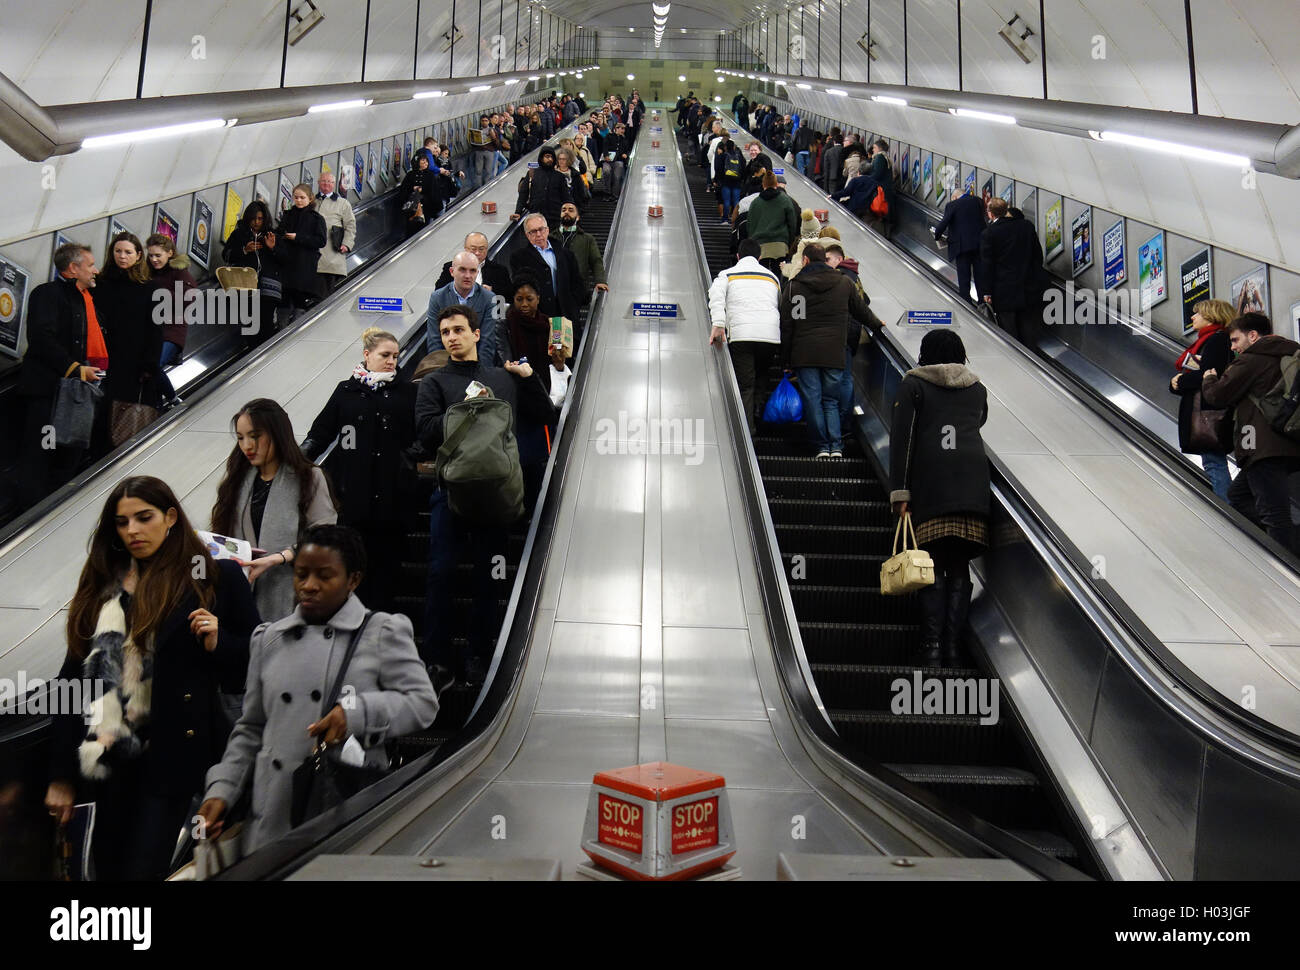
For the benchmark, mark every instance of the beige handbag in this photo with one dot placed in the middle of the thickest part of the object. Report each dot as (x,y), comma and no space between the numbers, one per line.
(909,570)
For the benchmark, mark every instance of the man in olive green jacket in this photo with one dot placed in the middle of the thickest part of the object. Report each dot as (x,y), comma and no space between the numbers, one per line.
(585,249)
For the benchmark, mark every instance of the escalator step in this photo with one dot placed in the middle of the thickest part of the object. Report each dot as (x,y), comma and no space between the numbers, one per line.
(809,467)
(850,643)
(829,512)
(852,604)
(825,569)
(845,489)
(849,539)
(461,607)
(930,738)
(1007,797)
(1048,843)
(870,687)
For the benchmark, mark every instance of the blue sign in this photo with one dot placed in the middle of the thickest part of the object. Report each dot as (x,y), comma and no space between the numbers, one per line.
(1112,248)
(381,304)
(656,169)
(929,318)
(970,181)
(654,309)
(778,171)
(656,130)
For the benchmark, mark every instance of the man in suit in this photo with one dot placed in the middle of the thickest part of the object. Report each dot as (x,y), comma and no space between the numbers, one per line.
(1011,261)
(464,291)
(492,275)
(554,266)
(963,224)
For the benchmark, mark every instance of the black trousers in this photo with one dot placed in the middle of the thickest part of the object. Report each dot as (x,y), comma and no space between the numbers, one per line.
(42,470)
(1261,493)
(136,830)
(965,263)
(751,360)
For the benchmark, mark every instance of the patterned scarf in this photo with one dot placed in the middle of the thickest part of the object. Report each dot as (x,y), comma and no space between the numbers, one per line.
(375,380)
(125,674)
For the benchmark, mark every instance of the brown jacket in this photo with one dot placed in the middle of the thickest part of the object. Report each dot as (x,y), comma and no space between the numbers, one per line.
(815,311)
(1252,374)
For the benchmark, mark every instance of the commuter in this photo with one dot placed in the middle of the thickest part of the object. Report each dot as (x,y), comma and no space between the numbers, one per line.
(810,231)
(160,628)
(1267,458)
(740,108)
(614,155)
(683,108)
(586,163)
(530,340)
(167,268)
(123,298)
(289,662)
(449,534)
(773,221)
(464,291)
(1011,262)
(340,233)
(756,165)
(853,157)
(801,146)
(564,160)
(252,244)
(813,341)
(836,260)
(270,493)
(374,411)
(506,126)
(884,176)
(633,116)
(744,304)
(586,252)
(449,180)
(815,164)
(492,276)
(420,196)
(940,474)
(963,225)
(1211,351)
(554,267)
(728,173)
(859,191)
(832,163)
(543,190)
(301,236)
(483,153)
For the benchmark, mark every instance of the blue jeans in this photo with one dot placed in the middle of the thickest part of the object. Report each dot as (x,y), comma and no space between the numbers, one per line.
(171,354)
(846,390)
(801,162)
(820,389)
(1216,466)
(730,196)
(482,164)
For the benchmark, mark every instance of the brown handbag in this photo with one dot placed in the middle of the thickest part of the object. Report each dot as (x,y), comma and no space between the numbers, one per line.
(1210,430)
(126,420)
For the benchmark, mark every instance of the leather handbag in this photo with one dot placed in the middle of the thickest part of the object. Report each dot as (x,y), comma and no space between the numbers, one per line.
(336,238)
(73,416)
(1206,433)
(320,782)
(908,570)
(127,420)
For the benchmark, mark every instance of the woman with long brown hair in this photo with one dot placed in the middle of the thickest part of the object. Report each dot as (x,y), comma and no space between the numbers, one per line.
(269,496)
(159,628)
(123,297)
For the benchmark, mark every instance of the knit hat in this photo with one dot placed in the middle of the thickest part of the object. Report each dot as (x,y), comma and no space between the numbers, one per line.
(829,232)
(809,228)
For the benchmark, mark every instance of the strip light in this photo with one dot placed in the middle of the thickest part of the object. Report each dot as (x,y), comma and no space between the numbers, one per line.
(480,87)
(837,92)
(982,115)
(803,87)
(1173,148)
(886,99)
(421,95)
(152,134)
(340,105)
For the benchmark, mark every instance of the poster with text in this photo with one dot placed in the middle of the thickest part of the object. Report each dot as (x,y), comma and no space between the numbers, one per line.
(262,194)
(1250,291)
(372,171)
(165,224)
(286,193)
(115,227)
(927,174)
(945,182)
(1114,272)
(308,178)
(1008,193)
(13,292)
(387,165)
(1195,282)
(61,239)
(893,163)
(1053,236)
(234,211)
(986,196)
(407,155)
(201,233)
(1081,241)
(359,172)
(1029,206)
(1151,271)
(970,182)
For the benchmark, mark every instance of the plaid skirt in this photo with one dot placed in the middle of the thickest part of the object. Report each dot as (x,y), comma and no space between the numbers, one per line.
(972,528)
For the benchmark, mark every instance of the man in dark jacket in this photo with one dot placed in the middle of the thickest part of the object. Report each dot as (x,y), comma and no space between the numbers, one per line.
(517,384)
(836,259)
(815,309)
(64,339)
(543,189)
(554,267)
(613,159)
(585,249)
(756,163)
(963,224)
(1267,459)
(740,108)
(492,275)
(1011,260)
(801,145)
(883,173)
(832,159)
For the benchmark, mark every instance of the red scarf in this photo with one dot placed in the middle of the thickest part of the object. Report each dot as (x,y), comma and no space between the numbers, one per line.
(1195,348)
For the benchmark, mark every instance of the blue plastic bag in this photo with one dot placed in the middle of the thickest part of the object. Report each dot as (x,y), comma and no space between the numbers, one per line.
(785,406)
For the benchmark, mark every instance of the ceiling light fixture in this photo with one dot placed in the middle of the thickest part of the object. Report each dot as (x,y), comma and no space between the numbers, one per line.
(837,92)
(341,105)
(1173,148)
(982,115)
(421,95)
(151,134)
(885,99)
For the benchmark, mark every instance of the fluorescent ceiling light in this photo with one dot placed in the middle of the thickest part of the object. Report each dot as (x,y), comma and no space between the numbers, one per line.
(631,30)
(481,87)
(150,134)
(717,97)
(886,99)
(803,87)
(534,77)
(982,115)
(549,76)
(420,95)
(578,75)
(631,77)
(837,92)
(582,94)
(341,105)
(661,8)
(763,79)
(1173,148)
(510,80)
(660,21)
(683,30)
(681,77)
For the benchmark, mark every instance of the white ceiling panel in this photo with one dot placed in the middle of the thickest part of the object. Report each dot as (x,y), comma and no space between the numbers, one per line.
(989,65)
(1246,63)
(932,43)
(68,51)
(392,40)
(331,52)
(230,46)
(887,33)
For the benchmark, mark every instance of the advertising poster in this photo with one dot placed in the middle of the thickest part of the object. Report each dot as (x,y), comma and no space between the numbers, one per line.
(1112,254)
(359,171)
(372,172)
(407,155)
(13,290)
(1151,271)
(261,193)
(114,227)
(927,174)
(1295,319)
(970,182)
(1250,291)
(286,193)
(986,195)
(387,163)
(308,179)
(1009,193)
(945,182)
(1053,237)
(893,163)
(347,178)
(1194,282)
(61,239)
(164,223)
(201,233)
(1029,206)
(1081,241)
(234,209)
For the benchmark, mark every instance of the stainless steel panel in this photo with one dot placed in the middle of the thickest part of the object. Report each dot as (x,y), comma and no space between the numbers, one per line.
(570,749)
(770,822)
(1068,430)
(350,868)
(1248,823)
(684,393)
(591,668)
(743,752)
(1243,676)
(709,673)
(846,868)
(621,396)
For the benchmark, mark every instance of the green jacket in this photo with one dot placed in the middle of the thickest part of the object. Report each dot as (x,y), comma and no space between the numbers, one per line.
(585,249)
(773,217)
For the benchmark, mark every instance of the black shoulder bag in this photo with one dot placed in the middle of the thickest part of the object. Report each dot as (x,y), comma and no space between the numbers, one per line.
(320,782)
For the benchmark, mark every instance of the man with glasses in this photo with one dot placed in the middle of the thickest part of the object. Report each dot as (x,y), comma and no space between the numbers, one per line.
(553,266)
(492,275)
(613,159)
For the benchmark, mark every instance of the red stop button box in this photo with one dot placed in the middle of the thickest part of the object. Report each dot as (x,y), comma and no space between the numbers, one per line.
(656,211)
(658,821)
(489,208)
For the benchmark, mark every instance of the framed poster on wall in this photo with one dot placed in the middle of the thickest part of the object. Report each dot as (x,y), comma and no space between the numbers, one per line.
(308,178)
(1151,271)
(1053,232)
(1113,270)
(927,175)
(1195,281)
(62,239)
(262,194)
(986,195)
(286,194)
(1008,193)
(387,164)
(969,187)
(358,171)
(13,296)
(234,211)
(114,228)
(372,171)
(164,224)
(201,232)
(1250,291)
(1081,241)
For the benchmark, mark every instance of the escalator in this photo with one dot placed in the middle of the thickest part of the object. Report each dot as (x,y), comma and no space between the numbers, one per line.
(833,526)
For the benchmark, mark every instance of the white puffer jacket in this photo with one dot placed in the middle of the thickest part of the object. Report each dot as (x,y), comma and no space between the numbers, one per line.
(744,299)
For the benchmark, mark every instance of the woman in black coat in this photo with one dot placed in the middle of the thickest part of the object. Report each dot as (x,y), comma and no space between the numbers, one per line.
(252,244)
(162,629)
(300,237)
(421,196)
(375,409)
(123,299)
(940,473)
(1211,351)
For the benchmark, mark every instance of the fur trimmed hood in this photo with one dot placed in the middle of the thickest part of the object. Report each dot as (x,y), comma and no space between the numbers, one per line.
(122,675)
(945,375)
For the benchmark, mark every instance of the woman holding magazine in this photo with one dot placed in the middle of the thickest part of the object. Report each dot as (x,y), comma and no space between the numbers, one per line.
(160,629)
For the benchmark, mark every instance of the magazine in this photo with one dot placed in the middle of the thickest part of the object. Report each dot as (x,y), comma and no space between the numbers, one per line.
(224,547)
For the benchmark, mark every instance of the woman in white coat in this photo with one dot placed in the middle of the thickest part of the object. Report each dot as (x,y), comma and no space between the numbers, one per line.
(293,663)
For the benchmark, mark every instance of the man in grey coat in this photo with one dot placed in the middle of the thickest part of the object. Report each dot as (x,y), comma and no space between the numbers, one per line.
(336,210)
(463,290)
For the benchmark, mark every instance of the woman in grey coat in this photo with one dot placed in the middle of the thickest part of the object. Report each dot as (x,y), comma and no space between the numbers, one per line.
(269,495)
(293,663)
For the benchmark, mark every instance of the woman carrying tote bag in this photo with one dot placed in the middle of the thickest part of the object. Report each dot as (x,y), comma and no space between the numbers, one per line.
(1197,427)
(940,474)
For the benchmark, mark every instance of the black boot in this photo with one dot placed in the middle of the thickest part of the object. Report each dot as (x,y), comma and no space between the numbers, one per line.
(932,600)
(956,609)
